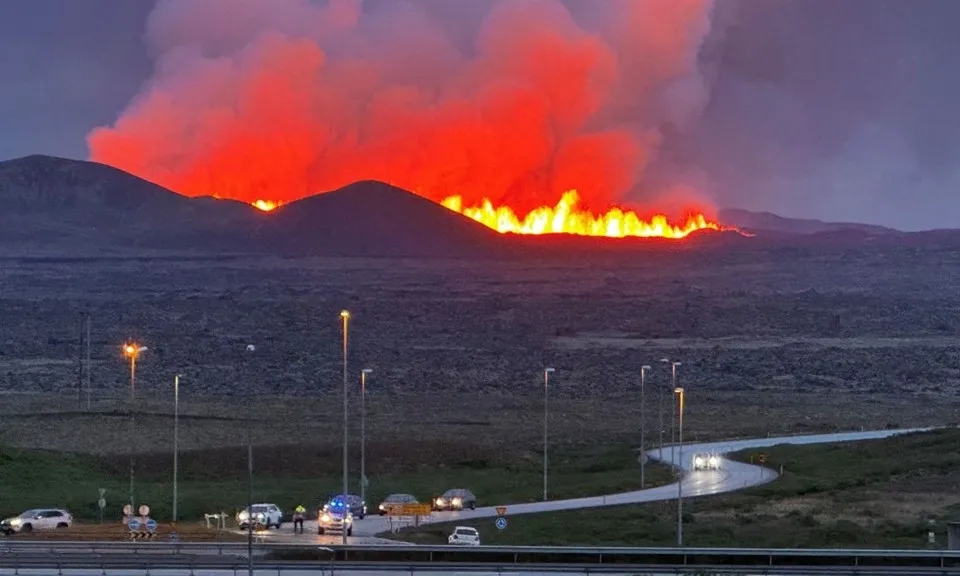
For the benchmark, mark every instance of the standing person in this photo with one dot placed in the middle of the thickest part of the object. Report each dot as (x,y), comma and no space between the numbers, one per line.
(298,516)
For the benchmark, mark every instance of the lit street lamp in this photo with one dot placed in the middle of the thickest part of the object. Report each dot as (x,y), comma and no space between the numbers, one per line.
(249,418)
(673,418)
(643,427)
(546,383)
(345,318)
(363,432)
(132,350)
(679,393)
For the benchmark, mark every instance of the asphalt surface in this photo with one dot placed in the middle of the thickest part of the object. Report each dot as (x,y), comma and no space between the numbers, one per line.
(730,477)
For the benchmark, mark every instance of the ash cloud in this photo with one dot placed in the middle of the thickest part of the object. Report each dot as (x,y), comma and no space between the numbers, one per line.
(515,100)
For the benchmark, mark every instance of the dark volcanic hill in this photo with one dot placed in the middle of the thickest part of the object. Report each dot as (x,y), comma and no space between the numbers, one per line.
(70,206)
(375,219)
(53,206)
(765,223)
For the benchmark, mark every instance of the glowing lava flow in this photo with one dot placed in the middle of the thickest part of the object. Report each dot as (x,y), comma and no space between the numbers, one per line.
(265,205)
(566,218)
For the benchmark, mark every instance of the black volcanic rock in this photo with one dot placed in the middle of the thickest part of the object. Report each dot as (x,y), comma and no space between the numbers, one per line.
(375,219)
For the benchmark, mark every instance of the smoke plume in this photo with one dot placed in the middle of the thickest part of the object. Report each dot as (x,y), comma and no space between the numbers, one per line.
(514,100)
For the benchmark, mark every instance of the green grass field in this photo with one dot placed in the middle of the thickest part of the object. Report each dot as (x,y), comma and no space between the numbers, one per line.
(880,493)
(40,479)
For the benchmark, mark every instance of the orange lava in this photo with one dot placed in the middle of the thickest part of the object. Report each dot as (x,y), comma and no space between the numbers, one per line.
(567,218)
(265,205)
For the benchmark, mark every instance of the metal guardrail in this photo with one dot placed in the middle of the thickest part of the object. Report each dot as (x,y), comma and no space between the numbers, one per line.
(491,558)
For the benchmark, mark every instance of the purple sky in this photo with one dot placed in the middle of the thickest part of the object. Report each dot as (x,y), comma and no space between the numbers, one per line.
(834,109)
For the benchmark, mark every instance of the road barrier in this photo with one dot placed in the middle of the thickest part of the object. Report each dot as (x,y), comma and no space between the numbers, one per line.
(195,556)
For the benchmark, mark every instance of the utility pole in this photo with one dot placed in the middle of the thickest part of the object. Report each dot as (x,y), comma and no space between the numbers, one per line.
(89,368)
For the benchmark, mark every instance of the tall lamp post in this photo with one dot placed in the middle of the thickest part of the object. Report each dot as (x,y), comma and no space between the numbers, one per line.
(133,351)
(546,386)
(673,418)
(643,427)
(363,433)
(660,411)
(176,441)
(345,320)
(679,393)
(249,418)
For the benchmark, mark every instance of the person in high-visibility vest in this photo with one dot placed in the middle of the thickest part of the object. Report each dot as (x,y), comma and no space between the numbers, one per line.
(298,516)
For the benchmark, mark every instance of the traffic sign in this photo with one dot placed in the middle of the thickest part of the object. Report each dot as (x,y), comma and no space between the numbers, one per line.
(103,492)
(762,458)
(144,510)
(102,503)
(501,523)
(151,525)
(501,510)
(409,509)
(127,510)
(133,525)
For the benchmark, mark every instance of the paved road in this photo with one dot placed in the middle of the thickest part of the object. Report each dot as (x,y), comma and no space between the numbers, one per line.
(732,476)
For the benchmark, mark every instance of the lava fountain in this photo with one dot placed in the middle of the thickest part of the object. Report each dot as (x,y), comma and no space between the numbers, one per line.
(566,217)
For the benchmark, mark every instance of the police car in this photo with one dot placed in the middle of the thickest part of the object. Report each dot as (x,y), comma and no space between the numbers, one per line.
(335,516)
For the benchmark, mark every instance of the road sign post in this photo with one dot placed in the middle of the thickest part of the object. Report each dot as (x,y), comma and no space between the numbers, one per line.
(151,525)
(501,510)
(501,523)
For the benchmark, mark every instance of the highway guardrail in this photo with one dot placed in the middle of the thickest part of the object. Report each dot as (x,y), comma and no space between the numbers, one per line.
(511,557)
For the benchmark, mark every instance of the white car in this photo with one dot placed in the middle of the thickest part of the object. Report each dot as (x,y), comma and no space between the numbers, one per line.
(37,519)
(264,516)
(706,461)
(464,536)
(335,520)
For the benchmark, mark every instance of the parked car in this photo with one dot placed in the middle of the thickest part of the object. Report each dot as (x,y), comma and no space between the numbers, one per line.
(334,518)
(357,507)
(455,499)
(37,519)
(264,515)
(464,536)
(395,499)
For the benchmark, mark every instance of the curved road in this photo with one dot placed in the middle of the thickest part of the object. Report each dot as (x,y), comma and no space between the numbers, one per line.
(732,476)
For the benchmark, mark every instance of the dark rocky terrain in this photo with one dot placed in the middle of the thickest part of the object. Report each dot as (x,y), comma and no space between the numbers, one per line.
(774,335)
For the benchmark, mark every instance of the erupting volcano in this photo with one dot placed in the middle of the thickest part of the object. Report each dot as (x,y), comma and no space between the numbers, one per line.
(567,218)
(493,108)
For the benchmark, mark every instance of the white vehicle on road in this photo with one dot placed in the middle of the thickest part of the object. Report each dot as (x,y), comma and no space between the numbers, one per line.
(335,520)
(37,519)
(709,461)
(265,516)
(464,536)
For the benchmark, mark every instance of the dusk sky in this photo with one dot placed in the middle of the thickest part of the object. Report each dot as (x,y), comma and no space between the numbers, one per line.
(832,109)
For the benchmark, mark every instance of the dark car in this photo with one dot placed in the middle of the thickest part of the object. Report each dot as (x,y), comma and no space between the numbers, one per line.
(455,499)
(356,505)
(395,499)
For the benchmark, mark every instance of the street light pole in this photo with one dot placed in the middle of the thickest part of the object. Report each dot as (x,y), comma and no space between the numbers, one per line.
(546,413)
(176,441)
(660,411)
(679,393)
(345,317)
(363,433)
(132,350)
(249,418)
(643,427)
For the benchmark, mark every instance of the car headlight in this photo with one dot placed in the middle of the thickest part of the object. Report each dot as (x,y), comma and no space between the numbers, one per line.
(16,522)
(457,501)
(714,461)
(381,506)
(698,461)
(259,516)
(440,502)
(348,519)
(325,518)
